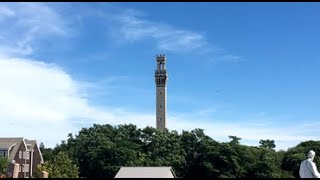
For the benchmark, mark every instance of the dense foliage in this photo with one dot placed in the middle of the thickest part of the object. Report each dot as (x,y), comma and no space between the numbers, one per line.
(100,151)
(3,165)
(59,167)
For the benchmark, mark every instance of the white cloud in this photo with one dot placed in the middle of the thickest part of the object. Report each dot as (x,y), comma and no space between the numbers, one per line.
(24,23)
(35,98)
(285,136)
(131,27)
(41,101)
(29,22)
(167,37)
(5,12)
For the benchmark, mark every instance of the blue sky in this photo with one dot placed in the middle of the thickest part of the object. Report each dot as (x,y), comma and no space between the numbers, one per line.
(244,69)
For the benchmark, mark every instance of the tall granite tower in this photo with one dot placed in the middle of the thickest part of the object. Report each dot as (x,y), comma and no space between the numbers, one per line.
(161,91)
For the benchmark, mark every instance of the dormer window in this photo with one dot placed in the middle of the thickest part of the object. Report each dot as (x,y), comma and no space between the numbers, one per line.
(3,153)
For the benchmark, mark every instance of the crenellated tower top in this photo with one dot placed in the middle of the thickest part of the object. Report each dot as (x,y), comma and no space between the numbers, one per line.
(161,73)
(161,57)
(161,62)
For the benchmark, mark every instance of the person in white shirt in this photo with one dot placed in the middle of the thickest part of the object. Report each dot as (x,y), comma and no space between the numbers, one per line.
(308,168)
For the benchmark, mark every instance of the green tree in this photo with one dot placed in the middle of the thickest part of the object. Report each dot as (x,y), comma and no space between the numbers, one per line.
(100,151)
(236,160)
(269,144)
(200,151)
(165,149)
(234,140)
(47,153)
(46,166)
(267,164)
(3,165)
(60,167)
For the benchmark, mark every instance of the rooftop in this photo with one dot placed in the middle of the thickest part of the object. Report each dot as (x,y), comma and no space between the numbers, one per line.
(145,172)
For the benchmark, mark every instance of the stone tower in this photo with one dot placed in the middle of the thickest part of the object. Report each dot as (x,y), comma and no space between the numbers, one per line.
(161,91)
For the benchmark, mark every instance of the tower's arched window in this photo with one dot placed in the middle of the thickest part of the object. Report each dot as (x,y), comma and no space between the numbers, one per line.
(162,66)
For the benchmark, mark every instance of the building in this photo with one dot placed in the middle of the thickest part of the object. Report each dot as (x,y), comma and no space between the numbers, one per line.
(145,172)
(24,152)
(161,78)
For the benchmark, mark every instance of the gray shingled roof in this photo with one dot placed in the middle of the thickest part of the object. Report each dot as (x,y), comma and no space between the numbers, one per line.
(31,142)
(145,172)
(6,143)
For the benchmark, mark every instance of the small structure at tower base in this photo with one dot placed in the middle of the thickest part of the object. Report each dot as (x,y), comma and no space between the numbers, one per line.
(145,172)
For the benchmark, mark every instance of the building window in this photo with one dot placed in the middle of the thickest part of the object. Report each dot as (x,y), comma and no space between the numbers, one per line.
(25,168)
(20,168)
(3,153)
(20,154)
(27,155)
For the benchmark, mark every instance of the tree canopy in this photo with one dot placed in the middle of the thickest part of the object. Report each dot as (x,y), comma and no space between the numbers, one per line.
(59,167)
(267,144)
(3,165)
(100,151)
